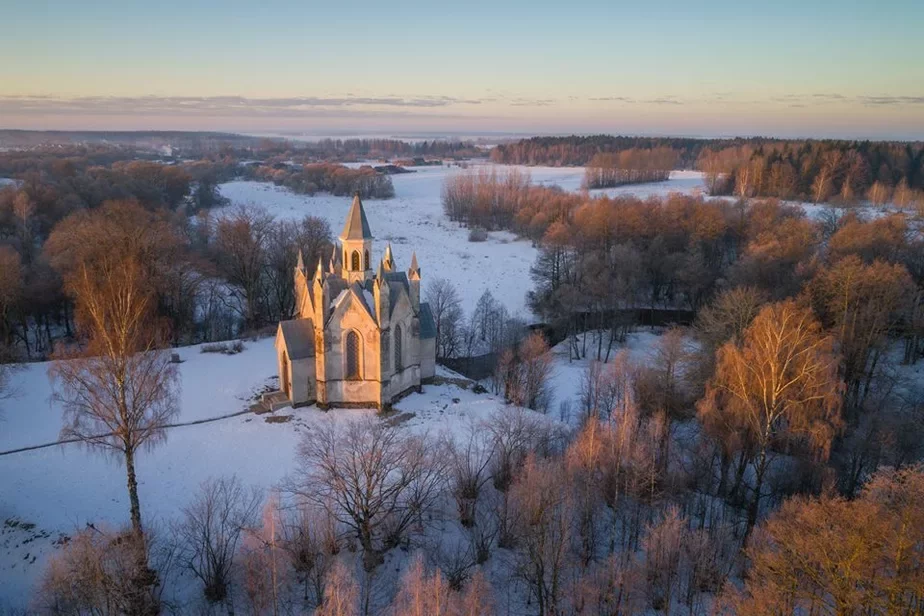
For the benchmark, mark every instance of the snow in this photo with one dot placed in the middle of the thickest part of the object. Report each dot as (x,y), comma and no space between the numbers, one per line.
(61,488)
(414,221)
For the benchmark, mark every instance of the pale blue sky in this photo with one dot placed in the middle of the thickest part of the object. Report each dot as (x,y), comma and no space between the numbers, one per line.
(816,68)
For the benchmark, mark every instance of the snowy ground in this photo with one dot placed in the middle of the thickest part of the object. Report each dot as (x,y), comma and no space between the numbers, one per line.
(50,492)
(414,221)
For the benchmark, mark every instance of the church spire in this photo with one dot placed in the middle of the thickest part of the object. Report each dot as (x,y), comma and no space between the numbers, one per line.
(413,278)
(388,260)
(320,272)
(414,269)
(301,261)
(356,227)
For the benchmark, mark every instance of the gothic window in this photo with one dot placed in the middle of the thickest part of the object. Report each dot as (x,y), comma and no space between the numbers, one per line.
(354,261)
(399,365)
(367,260)
(353,349)
(385,354)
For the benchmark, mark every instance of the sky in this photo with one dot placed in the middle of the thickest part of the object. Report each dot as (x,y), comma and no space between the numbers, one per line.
(788,68)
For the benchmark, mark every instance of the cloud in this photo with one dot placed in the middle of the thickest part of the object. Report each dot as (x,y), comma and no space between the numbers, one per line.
(217,105)
(663,100)
(891,100)
(532,102)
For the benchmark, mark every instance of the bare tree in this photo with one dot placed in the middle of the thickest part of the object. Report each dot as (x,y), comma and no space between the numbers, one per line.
(780,383)
(541,498)
(447,316)
(96,572)
(309,538)
(240,243)
(469,462)
(372,478)
(423,594)
(524,372)
(119,391)
(341,593)
(211,531)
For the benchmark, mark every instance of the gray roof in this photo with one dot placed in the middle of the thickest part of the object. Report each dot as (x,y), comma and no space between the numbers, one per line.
(298,336)
(356,227)
(427,326)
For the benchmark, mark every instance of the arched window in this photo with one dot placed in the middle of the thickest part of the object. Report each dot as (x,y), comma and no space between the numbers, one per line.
(399,363)
(354,261)
(353,349)
(367,260)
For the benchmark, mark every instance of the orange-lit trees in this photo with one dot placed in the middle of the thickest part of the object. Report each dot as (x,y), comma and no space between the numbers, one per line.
(779,384)
(119,388)
(835,556)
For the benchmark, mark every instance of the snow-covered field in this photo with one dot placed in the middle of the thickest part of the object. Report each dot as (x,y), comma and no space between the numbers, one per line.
(60,489)
(414,221)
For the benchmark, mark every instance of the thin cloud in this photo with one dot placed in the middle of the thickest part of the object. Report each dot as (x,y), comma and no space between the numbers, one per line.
(892,100)
(214,105)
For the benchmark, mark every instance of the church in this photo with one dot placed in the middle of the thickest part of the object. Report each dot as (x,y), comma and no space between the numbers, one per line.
(357,338)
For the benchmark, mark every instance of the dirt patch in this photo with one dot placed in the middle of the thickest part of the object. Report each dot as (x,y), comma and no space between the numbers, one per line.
(278,419)
(399,419)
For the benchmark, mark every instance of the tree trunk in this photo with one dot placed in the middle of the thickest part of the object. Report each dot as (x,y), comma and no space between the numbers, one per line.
(133,492)
(754,506)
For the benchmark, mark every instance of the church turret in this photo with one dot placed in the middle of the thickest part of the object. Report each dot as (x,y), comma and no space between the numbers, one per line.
(356,242)
(413,276)
(301,285)
(321,296)
(388,261)
(333,267)
(380,292)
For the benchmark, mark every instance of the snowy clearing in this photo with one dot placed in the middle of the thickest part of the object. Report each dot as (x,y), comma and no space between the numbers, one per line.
(54,491)
(414,221)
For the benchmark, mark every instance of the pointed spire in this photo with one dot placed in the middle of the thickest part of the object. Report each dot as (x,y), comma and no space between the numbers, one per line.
(388,260)
(320,273)
(301,261)
(414,269)
(380,274)
(356,227)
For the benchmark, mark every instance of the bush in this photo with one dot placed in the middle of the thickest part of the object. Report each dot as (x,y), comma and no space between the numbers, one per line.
(226,348)
(477,234)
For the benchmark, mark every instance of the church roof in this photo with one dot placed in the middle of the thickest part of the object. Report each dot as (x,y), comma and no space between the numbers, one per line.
(356,227)
(298,337)
(427,326)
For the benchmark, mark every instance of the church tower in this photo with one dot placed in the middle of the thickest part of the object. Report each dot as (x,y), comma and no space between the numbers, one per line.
(356,244)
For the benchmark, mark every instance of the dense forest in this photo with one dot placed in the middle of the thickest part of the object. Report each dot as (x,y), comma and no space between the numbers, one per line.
(226,272)
(578,150)
(845,172)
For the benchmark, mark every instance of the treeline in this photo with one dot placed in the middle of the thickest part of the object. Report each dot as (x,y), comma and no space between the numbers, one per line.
(578,150)
(818,171)
(336,179)
(391,148)
(607,170)
(221,275)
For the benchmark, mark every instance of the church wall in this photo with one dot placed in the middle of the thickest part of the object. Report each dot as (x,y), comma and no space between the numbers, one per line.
(339,389)
(427,358)
(401,382)
(302,381)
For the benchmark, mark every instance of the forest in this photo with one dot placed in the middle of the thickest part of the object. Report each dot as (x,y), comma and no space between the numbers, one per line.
(205,293)
(764,460)
(818,171)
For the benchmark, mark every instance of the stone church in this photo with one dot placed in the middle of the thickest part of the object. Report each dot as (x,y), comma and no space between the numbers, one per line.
(357,338)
